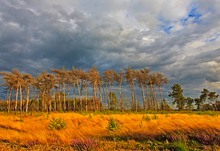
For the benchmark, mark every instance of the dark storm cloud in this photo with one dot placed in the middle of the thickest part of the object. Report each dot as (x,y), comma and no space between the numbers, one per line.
(41,35)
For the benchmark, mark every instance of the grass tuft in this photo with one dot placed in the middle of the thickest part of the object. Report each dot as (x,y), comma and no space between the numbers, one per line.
(57,124)
(112,125)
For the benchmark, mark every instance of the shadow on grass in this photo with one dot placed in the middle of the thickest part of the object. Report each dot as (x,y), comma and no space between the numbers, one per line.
(202,136)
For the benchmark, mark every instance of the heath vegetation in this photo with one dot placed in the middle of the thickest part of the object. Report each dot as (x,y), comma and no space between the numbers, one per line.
(111,132)
(85,110)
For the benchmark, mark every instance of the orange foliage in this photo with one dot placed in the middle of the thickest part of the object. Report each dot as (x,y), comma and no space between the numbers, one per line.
(28,129)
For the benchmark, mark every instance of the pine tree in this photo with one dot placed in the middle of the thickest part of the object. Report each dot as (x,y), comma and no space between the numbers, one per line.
(177,96)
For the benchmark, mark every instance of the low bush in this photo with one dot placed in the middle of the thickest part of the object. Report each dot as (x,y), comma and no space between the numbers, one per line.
(112,125)
(57,124)
(146,118)
(178,146)
(155,117)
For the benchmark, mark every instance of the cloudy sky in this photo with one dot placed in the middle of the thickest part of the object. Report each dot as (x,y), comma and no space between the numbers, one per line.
(178,38)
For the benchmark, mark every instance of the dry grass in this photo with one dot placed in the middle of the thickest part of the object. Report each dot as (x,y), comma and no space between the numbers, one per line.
(33,129)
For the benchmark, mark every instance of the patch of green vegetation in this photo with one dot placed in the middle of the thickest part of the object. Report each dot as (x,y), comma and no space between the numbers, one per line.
(178,146)
(146,118)
(112,125)
(155,117)
(57,124)
(90,116)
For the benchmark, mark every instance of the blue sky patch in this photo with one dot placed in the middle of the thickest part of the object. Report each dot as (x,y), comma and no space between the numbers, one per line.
(165,26)
(167,29)
(195,15)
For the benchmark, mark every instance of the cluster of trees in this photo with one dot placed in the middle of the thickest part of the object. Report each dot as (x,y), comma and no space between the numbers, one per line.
(206,101)
(76,89)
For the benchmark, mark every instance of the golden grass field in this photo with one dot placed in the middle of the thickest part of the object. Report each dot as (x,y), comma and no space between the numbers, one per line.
(29,130)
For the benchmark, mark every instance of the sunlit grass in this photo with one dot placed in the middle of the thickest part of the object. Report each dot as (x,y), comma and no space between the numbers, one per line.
(31,129)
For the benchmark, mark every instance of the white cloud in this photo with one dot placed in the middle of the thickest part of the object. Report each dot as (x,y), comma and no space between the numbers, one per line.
(195,45)
(215,85)
(148,39)
(174,9)
(113,34)
(177,27)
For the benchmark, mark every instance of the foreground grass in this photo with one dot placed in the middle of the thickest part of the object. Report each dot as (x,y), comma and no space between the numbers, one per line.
(89,132)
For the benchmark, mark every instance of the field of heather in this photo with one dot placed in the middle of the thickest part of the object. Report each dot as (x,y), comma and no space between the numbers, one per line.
(96,131)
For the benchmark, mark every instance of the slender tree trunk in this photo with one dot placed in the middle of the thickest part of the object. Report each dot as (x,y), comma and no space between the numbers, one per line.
(27,99)
(74,99)
(54,101)
(64,97)
(42,101)
(143,97)
(135,101)
(68,98)
(147,102)
(104,95)
(152,102)
(133,105)
(94,97)
(43,106)
(38,102)
(107,97)
(149,98)
(120,94)
(100,97)
(21,99)
(81,103)
(16,99)
(161,94)
(49,101)
(155,99)
(86,99)
(132,100)
(59,99)
(79,92)
(46,101)
(109,92)
(50,105)
(10,99)
(94,105)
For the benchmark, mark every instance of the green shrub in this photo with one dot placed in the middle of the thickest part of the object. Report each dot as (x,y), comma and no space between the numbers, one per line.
(141,124)
(112,125)
(57,124)
(192,143)
(178,146)
(146,118)
(90,116)
(155,117)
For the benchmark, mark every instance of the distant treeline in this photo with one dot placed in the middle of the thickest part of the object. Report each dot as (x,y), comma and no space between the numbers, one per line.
(68,90)
(207,100)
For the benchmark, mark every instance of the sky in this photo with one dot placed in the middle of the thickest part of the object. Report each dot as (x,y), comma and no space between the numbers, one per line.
(180,39)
